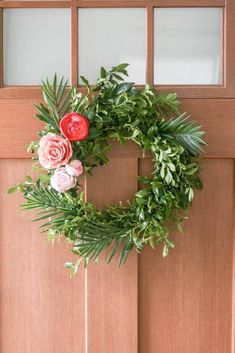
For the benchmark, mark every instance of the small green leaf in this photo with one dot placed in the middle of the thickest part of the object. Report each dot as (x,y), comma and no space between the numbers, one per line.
(162,172)
(170,243)
(73,267)
(190,195)
(122,67)
(168,177)
(45,178)
(180,228)
(11,189)
(103,72)
(20,188)
(165,250)
(84,80)
(171,166)
(118,77)
(28,179)
(142,193)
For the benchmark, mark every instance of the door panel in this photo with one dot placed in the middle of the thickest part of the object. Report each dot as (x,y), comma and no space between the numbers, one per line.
(112,294)
(42,310)
(112,307)
(185,300)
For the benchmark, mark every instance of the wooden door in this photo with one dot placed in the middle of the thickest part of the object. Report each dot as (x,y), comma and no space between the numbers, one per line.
(181,304)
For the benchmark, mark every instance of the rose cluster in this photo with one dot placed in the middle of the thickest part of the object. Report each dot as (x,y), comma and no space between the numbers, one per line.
(55,151)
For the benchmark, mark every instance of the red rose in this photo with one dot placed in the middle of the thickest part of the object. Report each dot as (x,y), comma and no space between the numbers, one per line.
(74,126)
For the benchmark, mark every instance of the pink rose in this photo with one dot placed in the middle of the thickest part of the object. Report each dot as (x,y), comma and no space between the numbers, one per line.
(54,151)
(62,181)
(74,168)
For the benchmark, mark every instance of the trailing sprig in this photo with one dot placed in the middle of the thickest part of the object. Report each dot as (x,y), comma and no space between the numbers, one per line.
(117,110)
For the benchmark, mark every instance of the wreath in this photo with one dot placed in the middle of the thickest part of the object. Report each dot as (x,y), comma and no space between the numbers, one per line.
(76,138)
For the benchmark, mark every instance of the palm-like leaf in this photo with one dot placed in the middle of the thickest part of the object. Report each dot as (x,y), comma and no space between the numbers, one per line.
(52,205)
(58,100)
(186,132)
(95,237)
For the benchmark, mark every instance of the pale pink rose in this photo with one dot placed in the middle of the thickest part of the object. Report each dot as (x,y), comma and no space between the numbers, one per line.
(54,151)
(62,181)
(74,168)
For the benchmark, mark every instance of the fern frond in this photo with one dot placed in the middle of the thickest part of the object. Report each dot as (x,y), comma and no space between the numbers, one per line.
(186,132)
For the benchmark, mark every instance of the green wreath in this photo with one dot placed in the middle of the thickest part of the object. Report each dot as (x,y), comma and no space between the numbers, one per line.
(76,137)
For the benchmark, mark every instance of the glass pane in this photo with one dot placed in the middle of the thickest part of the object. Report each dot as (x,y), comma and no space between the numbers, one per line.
(188,45)
(36,44)
(108,37)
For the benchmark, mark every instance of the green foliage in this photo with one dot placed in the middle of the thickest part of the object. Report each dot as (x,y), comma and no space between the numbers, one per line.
(58,103)
(187,133)
(117,110)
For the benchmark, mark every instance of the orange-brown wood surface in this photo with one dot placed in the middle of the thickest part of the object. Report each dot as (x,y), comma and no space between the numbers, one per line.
(42,310)
(18,127)
(185,300)
(150,305)
(113,295)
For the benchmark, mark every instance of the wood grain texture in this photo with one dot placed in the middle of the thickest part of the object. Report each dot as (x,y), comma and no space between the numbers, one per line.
(74,46)
(41,308)
(150,46)
(35,4)
(155,3)
(185,300)
(229,45)
(1,48)
(190,91)
(112,182)
(18,127)
(188,3)
(114,3)
(112,294)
